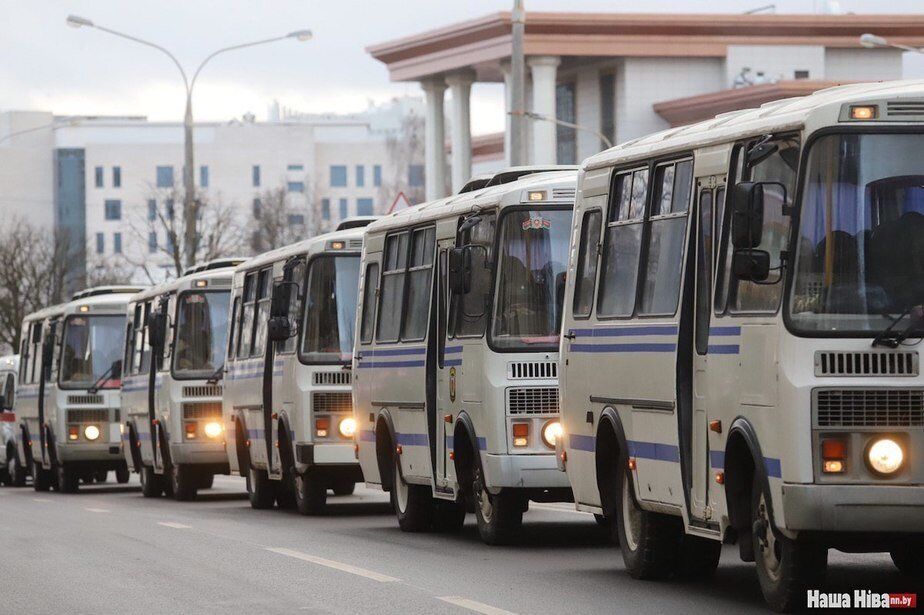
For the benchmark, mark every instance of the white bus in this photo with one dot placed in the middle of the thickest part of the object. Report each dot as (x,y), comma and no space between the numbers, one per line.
(456,390)
(12,471)
(734,357)
(183,324)
(68,399)
(286,401)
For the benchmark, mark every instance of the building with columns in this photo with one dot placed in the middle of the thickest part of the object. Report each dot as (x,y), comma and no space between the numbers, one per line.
(625,75)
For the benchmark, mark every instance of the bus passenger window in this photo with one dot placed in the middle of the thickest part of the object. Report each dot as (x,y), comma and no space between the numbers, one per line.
(392,295)
(245,332)
(623,243)
(587,263)
(296,274)
(262,313)
(417,309)
(369,286)
(704,254)
(468,315)
(232,329)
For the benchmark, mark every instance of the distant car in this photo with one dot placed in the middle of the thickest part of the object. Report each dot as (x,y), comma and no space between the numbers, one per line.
(12,471)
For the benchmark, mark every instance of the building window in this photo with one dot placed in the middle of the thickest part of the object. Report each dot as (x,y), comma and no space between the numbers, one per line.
(360,176)
(377,175)
(152,242)
(608,107)
(415,175)
(295,167)
(171,210)
(255,176)
(116,177)
(165,177)
(117,243)
(152,210)
(801,74)
(565,111)
(100,243)
(113,209)
(295,186)
(257,207)
(343,209)
(204,176)
(99,176)
(338,176)
(325,209)
(296,219)
(364,207)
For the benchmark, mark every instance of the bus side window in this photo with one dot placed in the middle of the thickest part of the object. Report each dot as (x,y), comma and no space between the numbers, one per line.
(142,349)
(704,254)
(9,392)
(586,275)
(392,295)
(370,285)
(420,277)
(23,359)
(262,312)
(232,329)
(295,274)
(245,330)
(623,244)
(468,316)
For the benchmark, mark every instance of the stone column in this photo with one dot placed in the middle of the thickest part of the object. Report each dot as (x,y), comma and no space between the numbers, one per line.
(543,70)
(435,141)
(460,86)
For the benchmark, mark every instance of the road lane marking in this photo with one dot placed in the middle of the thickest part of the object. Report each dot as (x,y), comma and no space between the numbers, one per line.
(362,572)
(97,510)
(472,605)
(174,525)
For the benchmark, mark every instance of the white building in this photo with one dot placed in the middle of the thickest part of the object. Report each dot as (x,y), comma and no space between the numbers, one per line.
(109,182)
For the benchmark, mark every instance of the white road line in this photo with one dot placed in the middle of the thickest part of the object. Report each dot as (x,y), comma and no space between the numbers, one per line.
(174,525)
(40,500)
(554,508)
(97,510)
(362,572)
(471,605)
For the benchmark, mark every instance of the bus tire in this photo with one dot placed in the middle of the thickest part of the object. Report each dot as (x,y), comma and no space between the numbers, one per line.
(344,487)
(786,568)
(15,469)
(122,474)
(101,476)
(499,517)
(152,484)
(42,478)
(310,494)
(909,559)
(648,541)
(413,504)
(68,479)
(207,480)
(698,558)
(183,482)
(448,517)
(260,489)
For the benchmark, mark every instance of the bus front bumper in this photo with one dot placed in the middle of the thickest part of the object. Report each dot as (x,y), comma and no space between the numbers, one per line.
(102,451)
(854,508)
(198,452)
(523,471)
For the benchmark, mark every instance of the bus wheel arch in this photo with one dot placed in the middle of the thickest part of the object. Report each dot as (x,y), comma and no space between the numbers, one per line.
(385,450)
(135,448)
(240,445)
(610,444)
(464,449)
(742,467)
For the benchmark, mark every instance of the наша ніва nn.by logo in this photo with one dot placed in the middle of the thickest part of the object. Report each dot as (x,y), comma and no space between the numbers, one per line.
(859,599)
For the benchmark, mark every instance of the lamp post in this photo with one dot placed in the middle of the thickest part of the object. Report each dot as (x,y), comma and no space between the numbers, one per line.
(873,41)
(517,85)
(190,206)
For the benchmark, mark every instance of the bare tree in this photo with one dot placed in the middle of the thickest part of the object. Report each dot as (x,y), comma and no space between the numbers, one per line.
(406,149)
(279,219)
(111,271)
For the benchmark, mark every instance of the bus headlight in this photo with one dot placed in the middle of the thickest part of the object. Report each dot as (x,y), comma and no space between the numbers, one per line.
(551,432)
(213,429)
(347,427)
(885,456)
(91,432)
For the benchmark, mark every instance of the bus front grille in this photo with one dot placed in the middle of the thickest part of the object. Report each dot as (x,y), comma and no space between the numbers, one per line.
(202,410)
(869,407)
(866,363)
(532,400)
(88,416)
(324,402)
(202,390)
(84,400)
(532,370)
(332,378)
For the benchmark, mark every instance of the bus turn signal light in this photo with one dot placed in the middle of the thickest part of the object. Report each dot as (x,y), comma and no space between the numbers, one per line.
(520,434)
(833,449)
(322,427)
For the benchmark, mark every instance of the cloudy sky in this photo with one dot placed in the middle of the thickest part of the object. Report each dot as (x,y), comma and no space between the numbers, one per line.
(48,65)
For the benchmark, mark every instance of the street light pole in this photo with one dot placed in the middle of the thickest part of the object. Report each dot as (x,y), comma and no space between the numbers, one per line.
(517,86)
(190,204)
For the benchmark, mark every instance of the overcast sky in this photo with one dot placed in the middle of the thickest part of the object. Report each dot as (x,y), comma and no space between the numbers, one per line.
(47,65)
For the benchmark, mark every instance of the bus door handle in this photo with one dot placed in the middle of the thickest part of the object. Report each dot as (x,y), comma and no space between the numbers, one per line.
(569,335)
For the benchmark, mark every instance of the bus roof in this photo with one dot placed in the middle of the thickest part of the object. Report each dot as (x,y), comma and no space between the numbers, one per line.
(491,196)
(213,270)
(785,114)
(353,239)
(9,362)
(107,297)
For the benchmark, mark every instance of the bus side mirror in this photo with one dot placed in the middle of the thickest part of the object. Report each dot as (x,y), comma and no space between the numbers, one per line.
(279,328)
(157,329)
(115,372)
(3,406)
(460,270)
(282,296)
(747,222)
(751,265)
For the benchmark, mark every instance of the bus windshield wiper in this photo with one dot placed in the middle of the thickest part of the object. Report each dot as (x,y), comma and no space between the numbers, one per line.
(889,338)
(217,375)
(94,388)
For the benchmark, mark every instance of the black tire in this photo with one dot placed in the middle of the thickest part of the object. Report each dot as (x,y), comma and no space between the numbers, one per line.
(909,559)
(152,484)
(101,476)
(413,504)
(698,558)
(206,480)
(122,474)
(648,541)
(343,487)
(500,516)
(184,483)
(285,494)
(260,489)
(310,494)
(786,569)
(603,521)
(42,479)
(5,475)
(17,472)
(68,479)
(448,517)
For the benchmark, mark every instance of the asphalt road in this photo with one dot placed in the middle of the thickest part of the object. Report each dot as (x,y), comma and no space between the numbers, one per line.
(108,550)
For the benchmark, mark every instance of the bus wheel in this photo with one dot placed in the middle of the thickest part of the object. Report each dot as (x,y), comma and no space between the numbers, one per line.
(16,471)
(413,504)
(500,516)
(101,476)
(448,517)
(698,557)
(344,487)
(786,569)
(152,484)
(648,541)
(260,489)
(206,480)
(68,479)
(184,482)
(909,560)
(310,494)
(122,474)
(42,479)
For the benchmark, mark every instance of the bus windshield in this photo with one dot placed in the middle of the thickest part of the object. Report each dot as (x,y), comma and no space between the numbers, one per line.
(532,259)
(91,345)
(860,247)
(330,309)
(201,333)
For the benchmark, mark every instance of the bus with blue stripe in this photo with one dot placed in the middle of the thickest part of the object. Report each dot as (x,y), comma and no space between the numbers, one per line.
(286,406)
(171,415)
(738,355)
(455,388)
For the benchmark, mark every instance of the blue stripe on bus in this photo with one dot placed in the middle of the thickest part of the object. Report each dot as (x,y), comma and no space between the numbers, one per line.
(453,349)
(723,349)
(366,435)
(717,460)
(583,443)
(381,364)
(649,347)
(724,331)
(452,362)
(654,450)
(774,470)
(626,331)
(412,439)
(394,352)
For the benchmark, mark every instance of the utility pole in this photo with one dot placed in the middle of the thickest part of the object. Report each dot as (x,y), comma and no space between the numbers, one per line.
(517,86)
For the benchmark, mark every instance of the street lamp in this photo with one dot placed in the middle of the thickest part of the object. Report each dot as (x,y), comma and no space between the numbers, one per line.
(873,41)
(544,118)
(189,203)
